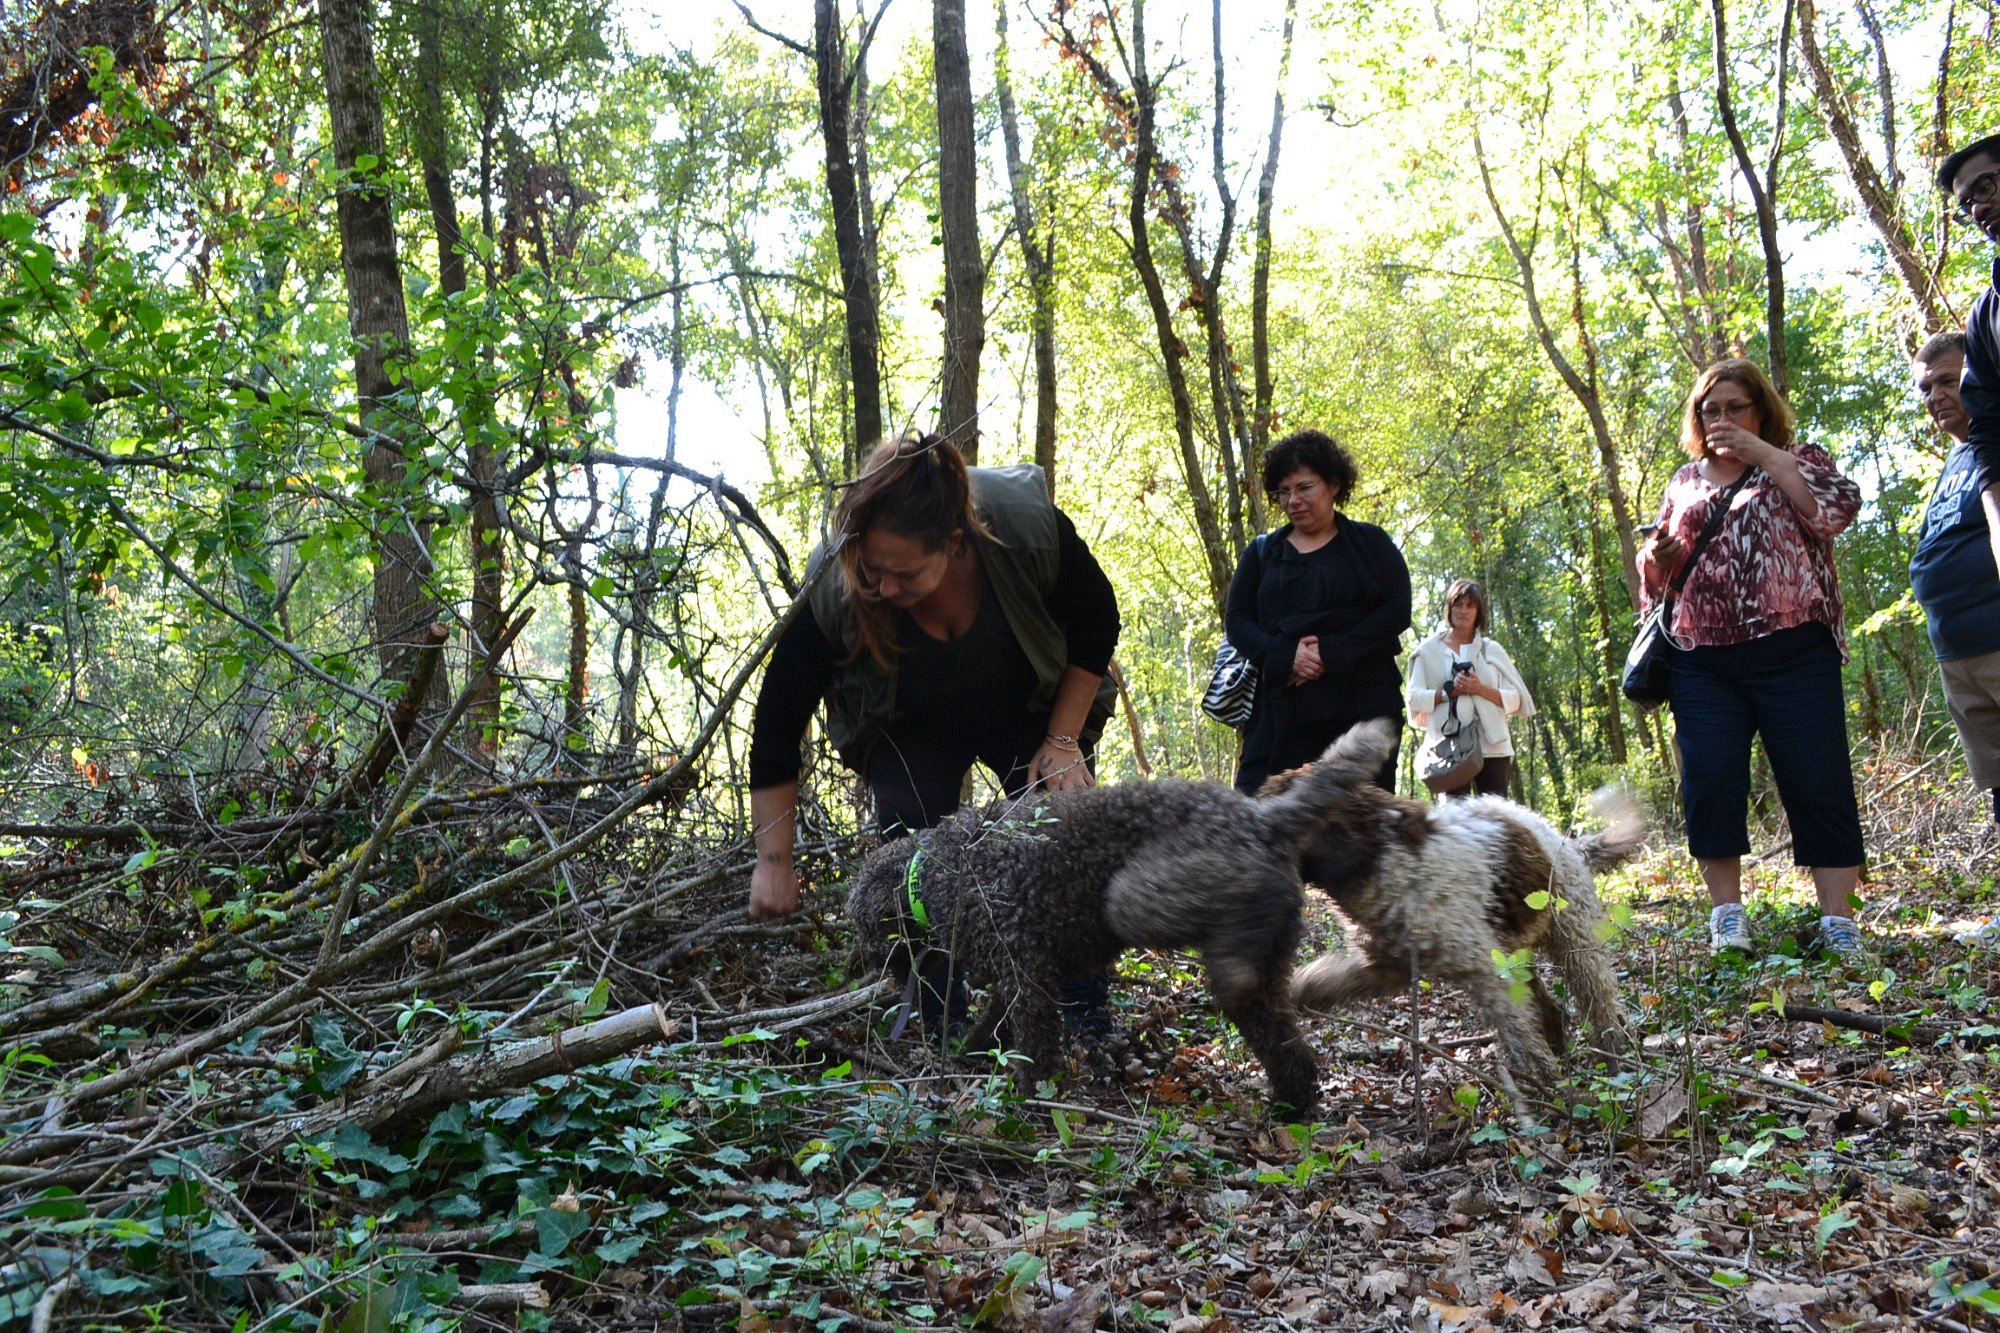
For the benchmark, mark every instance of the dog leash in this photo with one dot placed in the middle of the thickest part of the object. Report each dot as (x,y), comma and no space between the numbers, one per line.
(908,1007)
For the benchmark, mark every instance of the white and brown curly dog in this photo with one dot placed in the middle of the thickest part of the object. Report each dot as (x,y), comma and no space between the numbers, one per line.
(1454,887)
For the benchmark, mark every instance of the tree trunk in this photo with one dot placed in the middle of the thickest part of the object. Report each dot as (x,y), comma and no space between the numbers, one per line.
(1614,644)
(958,218)
(1877,199)
(1035,257)
(1585,393)
(1172,350)
(1760,188)
(486,555)
(631,663)
(262,583)
(1941,103)
(1260,290)
(864,193)
(1225,388)
(575,735)
(1885,91)
(1706,332)
(575,739)
(864,337)
(403,602)
(1133,113)
(432,150)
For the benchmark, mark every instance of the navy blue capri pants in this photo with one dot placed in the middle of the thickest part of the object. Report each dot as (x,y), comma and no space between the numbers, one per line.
(1786,688)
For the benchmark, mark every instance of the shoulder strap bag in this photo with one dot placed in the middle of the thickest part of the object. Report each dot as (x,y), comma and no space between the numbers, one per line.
(1455,755)
(1649,663)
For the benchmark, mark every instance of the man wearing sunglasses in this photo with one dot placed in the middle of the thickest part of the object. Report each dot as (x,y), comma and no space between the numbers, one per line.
(1971,176)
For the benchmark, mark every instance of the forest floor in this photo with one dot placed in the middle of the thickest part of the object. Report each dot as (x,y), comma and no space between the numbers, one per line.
(776,1162)
(1743,1169)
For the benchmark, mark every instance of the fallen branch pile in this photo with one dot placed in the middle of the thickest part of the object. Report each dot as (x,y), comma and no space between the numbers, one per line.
(494,899)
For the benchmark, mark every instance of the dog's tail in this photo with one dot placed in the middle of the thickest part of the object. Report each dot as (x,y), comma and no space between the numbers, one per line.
(1625,829)
(1297,803)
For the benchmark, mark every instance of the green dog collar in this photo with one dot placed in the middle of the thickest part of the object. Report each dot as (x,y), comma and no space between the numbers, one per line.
(918,912)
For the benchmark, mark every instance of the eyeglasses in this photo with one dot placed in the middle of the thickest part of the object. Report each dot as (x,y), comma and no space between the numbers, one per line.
(1717,411)
(1304,490)
(1978,192)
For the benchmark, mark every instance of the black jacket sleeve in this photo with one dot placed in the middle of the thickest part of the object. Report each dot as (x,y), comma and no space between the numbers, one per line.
(1083,601)
(1273,653)
(801,666)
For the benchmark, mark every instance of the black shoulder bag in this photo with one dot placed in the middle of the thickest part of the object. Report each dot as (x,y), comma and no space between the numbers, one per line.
(1649,663)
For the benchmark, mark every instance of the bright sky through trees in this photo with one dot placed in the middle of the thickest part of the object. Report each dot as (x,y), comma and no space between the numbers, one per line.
(1320,181)
(1350,148)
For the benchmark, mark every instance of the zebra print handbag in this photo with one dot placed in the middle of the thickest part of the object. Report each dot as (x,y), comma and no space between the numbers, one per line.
(1232,687)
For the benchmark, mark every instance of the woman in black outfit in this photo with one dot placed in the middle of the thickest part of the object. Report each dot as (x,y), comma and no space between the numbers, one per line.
(1320,605)
(967,622)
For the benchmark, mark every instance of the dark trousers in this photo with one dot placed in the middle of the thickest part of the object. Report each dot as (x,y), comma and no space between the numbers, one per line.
(1786,688)
(1301,743)
(1491,779)
(917,773)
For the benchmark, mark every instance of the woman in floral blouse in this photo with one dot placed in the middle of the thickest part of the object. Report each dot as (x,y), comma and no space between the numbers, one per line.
(1761,624)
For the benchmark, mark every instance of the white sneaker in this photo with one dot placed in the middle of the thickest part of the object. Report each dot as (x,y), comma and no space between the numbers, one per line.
(1839,935)
(1729,928)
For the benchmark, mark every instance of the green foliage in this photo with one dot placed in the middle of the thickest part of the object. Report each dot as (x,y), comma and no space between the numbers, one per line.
(624,207)
(189,635)
(580,1176)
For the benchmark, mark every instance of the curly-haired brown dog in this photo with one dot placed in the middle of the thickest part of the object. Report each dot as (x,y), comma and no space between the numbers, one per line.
(1025,895)
(1450,885)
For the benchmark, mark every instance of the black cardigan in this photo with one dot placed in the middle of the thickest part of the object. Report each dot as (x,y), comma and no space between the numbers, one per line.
(1270,610)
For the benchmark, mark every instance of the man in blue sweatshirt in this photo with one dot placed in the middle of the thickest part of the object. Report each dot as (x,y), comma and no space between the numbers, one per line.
(1971,176)
(1952,572)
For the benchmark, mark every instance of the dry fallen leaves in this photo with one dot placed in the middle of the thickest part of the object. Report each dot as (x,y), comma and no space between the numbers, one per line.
(1078,1313)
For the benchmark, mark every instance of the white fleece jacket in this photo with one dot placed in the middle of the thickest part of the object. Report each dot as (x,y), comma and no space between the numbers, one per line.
(1430,671)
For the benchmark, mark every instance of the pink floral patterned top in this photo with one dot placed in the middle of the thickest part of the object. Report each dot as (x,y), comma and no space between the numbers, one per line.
(1768,567)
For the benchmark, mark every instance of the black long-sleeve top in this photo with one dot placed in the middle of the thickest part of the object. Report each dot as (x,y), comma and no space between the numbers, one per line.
(1081,602)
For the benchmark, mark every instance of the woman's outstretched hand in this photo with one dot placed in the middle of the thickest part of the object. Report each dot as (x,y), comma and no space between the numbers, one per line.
(774,889)
(1059,768)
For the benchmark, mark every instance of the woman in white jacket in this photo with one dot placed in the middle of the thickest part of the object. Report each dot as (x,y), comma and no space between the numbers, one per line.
(1460,665)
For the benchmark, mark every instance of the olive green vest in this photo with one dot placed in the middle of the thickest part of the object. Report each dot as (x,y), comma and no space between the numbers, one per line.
(1021,562)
